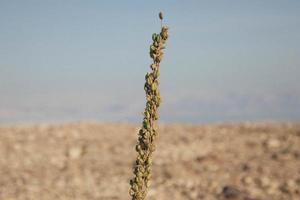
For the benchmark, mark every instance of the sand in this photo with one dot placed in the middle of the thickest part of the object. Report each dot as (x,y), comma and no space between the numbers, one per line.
(93,161)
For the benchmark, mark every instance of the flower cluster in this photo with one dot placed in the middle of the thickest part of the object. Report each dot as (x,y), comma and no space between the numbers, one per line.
(147,134)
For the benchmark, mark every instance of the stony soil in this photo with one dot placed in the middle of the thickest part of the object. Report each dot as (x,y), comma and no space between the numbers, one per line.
(89,161)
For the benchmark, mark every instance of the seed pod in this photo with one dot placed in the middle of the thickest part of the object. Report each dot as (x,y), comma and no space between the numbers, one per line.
(164,28)
(162,34)
(158,38)
(152,48)
(151,54)
(149,161)
(149,81)
(165,36)
(146,86)
(157,73)
(158,59)
(135,187)
(147,125)
(152,66)
(150,76)
(140,174)
(137,147)
(161,17)
(146,136)
(148,183)
(153,87)
(154,36)
(139,180)
(147,114)
(131,191)
(152,148)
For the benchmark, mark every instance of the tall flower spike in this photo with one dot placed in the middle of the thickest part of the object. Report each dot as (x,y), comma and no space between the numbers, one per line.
(147,134)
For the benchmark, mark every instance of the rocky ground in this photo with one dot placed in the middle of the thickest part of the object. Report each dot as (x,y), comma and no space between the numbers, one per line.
(89,161)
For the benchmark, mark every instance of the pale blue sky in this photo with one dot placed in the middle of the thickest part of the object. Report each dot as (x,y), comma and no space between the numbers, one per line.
(78,60)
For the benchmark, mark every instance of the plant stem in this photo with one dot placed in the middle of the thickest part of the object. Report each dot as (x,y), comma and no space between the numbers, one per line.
(147,134)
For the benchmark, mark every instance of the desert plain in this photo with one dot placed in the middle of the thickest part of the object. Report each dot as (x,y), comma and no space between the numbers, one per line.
(94,161)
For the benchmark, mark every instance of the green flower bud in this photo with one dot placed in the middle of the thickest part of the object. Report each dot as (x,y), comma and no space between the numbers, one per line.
(158,38)
(154,36)
(152,48)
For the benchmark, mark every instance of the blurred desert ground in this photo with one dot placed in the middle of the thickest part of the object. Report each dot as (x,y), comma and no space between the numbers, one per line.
(89,160)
